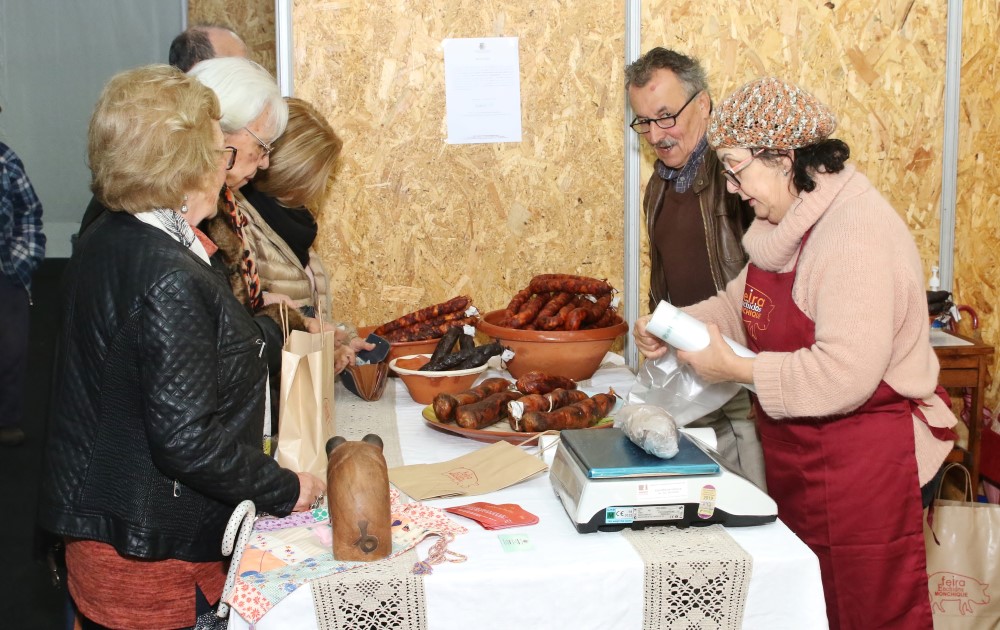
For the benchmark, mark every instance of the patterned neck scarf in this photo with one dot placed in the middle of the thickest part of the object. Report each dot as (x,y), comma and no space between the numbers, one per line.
(238,220)
(683,177)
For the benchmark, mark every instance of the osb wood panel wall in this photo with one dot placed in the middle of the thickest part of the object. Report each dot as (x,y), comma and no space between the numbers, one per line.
(252,19)
(413,220)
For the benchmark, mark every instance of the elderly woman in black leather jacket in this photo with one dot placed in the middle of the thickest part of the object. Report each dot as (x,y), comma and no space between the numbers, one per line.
(158,406)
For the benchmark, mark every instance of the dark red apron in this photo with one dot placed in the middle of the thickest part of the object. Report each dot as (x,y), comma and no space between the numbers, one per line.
(847,486)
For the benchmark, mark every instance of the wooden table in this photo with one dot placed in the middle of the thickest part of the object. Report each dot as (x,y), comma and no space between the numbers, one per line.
(967,366)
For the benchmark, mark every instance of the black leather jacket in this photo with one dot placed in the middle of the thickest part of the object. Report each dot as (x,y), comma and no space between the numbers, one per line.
(726,218)
(158,401)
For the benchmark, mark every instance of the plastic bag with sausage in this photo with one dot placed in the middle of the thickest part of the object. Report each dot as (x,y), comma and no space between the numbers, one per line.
(676,388)
(650,428)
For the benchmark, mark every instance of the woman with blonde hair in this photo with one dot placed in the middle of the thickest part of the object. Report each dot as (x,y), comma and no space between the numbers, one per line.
(158,409)
(281,204)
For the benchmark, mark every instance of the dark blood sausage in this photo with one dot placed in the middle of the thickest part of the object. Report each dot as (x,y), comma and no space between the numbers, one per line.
(466,342)
(579,415)
(541,402)
(482,414)
(426,330)
(570,284)
(446,404)
(445,345)
(466,358)
(458,303)
(517,302)
(529,311)
(542,383)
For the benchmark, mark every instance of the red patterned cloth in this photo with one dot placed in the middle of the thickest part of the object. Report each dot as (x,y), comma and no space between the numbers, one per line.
(238,220)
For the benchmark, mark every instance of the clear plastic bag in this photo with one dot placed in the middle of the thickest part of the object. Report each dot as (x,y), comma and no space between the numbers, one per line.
(675,388)
(651,428)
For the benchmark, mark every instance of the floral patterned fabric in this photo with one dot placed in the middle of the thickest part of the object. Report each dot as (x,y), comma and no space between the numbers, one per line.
(284,554)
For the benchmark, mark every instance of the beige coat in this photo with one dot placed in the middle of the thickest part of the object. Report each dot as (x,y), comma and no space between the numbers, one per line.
(279,268)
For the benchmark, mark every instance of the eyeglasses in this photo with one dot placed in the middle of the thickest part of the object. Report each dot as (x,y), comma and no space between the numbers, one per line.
(642,125)
(263,145)
(730,173)
(232,157)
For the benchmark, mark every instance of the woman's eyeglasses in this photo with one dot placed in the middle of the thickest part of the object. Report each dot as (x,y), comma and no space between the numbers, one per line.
(730,173)
(232,157)
(263,145)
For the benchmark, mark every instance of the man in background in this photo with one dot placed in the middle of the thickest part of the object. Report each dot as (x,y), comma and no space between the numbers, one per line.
(22,249)
(204,41)
(695,226)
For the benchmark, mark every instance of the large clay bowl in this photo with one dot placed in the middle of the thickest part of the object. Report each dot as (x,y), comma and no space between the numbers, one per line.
(403,348)
(575,354)
(424,386)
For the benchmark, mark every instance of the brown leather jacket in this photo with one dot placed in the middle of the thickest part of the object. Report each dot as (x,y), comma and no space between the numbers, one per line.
(726,218)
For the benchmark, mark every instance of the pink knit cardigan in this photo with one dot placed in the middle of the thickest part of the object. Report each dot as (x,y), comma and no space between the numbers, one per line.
(860,279)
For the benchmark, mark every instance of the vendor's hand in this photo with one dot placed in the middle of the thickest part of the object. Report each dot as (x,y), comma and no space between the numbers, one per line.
(342,357)
(718,363)
(311,490)
(651,346)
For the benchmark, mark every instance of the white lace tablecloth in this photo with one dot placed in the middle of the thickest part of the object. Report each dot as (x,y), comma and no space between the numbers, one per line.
(560,578)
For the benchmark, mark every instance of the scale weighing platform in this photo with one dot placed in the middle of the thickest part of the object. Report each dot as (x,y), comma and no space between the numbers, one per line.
(606,482)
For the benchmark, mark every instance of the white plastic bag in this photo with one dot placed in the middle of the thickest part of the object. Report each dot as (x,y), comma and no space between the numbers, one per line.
(675,388)
(650,428)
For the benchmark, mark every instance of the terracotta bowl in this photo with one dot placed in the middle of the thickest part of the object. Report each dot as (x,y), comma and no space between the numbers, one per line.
(403,348)
(423,386)
(575,354)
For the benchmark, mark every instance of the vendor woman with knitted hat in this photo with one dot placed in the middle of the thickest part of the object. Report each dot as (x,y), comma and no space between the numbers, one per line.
(851,421)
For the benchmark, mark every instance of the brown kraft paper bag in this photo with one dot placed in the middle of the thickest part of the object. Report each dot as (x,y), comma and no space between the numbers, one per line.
(963,561)
(305,409)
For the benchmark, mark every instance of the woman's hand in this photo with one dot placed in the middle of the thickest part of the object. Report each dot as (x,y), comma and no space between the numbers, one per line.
(358,344)
(651,346)
(311,490)
(342,357)
(718,363)
(278,298)
(315,325)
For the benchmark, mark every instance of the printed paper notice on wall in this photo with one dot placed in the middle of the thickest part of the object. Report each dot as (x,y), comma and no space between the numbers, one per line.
(482,78)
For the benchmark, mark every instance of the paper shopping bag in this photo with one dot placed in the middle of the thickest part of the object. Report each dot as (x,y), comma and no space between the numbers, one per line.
(963,561)
(490,468)
(305,411)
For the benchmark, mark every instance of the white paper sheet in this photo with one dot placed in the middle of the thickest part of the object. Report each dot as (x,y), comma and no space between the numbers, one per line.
(482,79)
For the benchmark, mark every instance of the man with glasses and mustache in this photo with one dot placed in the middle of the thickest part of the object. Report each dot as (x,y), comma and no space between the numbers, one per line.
(695,226)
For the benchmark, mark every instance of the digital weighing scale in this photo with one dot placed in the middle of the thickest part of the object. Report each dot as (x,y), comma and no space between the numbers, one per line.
(606,482)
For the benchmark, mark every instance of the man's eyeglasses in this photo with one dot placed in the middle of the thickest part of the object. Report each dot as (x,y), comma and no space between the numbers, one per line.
(232,157)
(642,125)
(263,145)
(730,173)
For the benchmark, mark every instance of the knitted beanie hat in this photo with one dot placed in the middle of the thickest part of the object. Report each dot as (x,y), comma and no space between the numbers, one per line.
(770,113)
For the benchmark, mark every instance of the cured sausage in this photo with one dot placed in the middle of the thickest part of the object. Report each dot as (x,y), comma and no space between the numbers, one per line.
(529,311)
(482,414)
(457,303)
(570,284)
(466,342)
(517,302)
(446,404)
(542,383)
(426,330)
(579,415)
(541,402)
